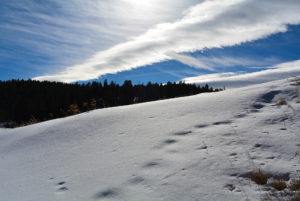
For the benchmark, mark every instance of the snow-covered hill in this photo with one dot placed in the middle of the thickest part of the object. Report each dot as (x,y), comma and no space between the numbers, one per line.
(200,147)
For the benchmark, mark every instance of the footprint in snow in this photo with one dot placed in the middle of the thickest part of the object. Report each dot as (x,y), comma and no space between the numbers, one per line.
(257,145)
(151,164)
(233,154)
(262,146)
(222,122)
(230,187)
(136,180)
(183,133)
(258,106)
(202,147)
(201,126)
(108,193)
(61,183)
(170,141)
(61,187)
(240,115)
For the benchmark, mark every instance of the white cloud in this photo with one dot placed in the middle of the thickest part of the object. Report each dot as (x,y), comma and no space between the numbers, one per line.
(213,23)
(225,61)
(188,60)
(69,32)
(233,79)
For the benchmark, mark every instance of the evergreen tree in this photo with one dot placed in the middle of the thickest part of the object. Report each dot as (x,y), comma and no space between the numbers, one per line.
(29,101)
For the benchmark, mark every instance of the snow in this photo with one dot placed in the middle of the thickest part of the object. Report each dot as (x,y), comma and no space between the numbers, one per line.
(191,148)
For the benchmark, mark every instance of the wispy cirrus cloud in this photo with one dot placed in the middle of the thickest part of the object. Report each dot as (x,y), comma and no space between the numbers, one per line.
(211,24)
(63,33)
(189,60)
(231,61)
(235,79)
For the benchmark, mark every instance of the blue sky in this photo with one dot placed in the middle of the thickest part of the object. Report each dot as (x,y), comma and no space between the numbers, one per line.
(150,40)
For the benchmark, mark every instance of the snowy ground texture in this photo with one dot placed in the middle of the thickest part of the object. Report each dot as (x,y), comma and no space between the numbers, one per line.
(200,147)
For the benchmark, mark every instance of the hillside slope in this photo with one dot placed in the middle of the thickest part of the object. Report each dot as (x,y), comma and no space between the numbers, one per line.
(200,147)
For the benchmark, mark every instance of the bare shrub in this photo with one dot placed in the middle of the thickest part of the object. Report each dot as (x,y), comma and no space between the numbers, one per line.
(294,185)
(259,177)
(279,184)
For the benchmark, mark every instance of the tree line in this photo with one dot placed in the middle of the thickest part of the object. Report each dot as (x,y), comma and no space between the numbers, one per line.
(24,102)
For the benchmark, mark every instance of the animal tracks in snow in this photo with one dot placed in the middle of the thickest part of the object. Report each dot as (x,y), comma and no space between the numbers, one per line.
(59,186)
(179,145)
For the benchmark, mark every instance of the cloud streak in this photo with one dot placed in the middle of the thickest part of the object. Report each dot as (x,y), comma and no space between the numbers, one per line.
(211,24)
(233,79)
(229,61)
(189,60)
(68,32)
